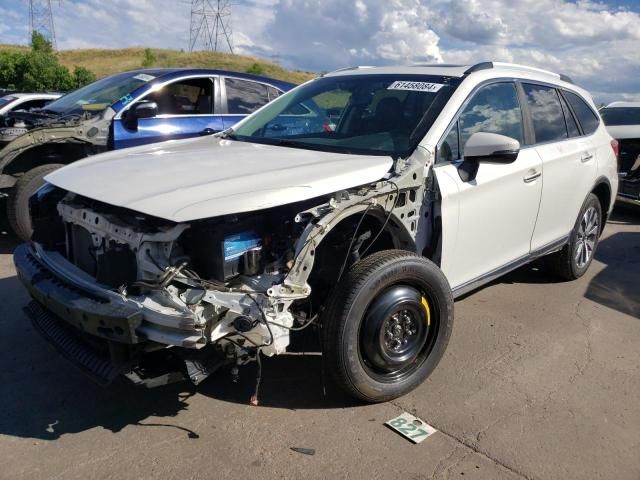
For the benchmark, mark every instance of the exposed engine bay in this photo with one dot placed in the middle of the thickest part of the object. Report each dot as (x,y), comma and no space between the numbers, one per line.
(232,287)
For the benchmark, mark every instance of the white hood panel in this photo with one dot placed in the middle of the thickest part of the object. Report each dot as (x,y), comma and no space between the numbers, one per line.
(186,180)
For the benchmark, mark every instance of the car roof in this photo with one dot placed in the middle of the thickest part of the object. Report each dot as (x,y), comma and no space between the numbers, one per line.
(497,69)
(621,104)
(34,95)
(169,73)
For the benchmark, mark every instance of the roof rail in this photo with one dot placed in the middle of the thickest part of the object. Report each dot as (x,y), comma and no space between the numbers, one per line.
(566,78)
(488,65)
(346,69)
(479,66)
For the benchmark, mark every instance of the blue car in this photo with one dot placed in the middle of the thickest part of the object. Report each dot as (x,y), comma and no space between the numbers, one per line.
(123,110)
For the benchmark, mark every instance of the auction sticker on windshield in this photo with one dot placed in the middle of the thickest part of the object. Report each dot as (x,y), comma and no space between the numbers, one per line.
(415,86)
(144,77)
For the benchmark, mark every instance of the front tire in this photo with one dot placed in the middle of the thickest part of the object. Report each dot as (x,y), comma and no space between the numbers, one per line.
(18,201)
(574,259)
(387,325)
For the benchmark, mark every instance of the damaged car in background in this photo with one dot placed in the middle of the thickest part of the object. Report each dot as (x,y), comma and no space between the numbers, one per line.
(123,110)
(359,204)
(13,106)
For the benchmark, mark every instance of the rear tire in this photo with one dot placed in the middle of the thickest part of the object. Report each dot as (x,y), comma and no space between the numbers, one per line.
(387,325)
(18,201)
(574,259)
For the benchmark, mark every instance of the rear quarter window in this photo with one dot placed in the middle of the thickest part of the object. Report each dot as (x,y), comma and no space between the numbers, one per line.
(586,116)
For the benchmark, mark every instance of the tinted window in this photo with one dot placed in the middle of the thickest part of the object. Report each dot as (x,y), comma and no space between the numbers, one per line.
(245,97)
(587,118)
(493,109)
(620,116)
(450,147)
(31,104)
(572,126)
(546,113)
(273,93)
(185,97)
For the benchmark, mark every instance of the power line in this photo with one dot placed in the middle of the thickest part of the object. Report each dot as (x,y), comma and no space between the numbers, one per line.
(210,25)
(41,20)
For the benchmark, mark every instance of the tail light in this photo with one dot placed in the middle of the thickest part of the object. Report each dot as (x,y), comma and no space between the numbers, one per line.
(615,145)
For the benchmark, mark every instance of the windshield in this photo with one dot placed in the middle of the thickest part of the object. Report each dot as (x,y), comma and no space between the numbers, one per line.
(363,114)
(99,95)
(621,116)
(6,100)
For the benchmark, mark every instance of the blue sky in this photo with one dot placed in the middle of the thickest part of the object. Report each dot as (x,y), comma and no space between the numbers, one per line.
(597,43)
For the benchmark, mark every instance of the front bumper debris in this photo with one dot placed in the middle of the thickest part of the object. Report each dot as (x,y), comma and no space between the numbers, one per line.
(104,335)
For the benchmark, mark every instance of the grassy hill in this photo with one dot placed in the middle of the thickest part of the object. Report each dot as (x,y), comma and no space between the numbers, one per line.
(104,62)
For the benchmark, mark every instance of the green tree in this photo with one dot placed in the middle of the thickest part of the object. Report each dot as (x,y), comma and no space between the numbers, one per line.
(39,69)
(9,66)
(149,58)
(40,44)
(82,77)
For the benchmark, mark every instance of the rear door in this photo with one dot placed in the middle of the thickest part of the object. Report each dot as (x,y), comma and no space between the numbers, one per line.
(489,220)
(185,109)
(242,97)
(569,165)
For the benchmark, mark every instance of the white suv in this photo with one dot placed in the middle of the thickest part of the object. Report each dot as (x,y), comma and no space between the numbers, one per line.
(360,203)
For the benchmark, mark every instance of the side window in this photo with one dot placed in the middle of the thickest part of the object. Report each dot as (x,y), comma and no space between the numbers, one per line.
(587,118)
(546,113)
(244,96)
(493,109)
(30,104)
(450,146)
(273,93)
(185,97)
(572,126)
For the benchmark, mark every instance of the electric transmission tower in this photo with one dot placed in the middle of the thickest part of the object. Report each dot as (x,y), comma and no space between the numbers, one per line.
(210,25)
(41,19)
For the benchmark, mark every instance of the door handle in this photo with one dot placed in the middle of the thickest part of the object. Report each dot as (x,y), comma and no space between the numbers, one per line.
(532,176)
(586,157)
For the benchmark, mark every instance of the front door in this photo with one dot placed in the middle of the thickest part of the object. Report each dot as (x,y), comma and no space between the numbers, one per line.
(487,222)
(185,109)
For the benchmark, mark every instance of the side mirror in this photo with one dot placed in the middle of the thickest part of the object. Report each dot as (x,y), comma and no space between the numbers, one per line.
(487,147)
(138,111)
(146,109)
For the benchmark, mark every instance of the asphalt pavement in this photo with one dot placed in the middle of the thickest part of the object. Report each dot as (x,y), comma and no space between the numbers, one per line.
(541,380)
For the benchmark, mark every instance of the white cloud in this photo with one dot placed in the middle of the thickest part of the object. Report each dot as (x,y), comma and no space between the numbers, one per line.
(591,41)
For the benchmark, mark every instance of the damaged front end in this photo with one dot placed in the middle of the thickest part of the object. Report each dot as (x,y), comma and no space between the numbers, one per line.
(119,292)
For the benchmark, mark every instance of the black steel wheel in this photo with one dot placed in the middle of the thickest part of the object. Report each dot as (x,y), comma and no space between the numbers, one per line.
(387,325)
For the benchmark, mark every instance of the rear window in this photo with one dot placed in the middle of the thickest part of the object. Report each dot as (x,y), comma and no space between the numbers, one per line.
(621,116)
(586,117)
(546,113)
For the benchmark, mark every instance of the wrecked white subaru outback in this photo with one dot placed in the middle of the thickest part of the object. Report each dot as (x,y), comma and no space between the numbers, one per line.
(359,203)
